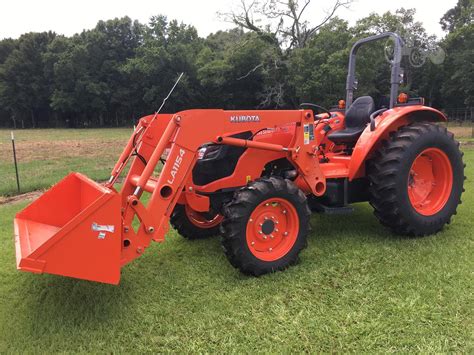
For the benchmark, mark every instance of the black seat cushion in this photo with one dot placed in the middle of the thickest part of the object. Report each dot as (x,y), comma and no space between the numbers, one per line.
(356,119)
(347,135)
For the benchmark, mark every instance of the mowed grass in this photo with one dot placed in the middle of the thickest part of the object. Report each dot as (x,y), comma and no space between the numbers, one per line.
(357,288)
(46,155)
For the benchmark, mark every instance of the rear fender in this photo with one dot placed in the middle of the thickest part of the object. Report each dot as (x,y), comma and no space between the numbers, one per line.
(388,122)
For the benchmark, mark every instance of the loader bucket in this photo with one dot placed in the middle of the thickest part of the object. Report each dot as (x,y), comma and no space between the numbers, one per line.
(74,229)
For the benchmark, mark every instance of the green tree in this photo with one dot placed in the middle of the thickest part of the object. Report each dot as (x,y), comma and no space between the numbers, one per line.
(25,89)
(318,72)
(278,56)
(89,80)
(240,69)
(455,84)
(6,47)
(458,84)
(459,16)
(79,94)
(168,48)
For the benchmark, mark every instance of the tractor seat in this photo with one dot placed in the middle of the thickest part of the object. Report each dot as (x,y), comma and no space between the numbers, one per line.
(356,119)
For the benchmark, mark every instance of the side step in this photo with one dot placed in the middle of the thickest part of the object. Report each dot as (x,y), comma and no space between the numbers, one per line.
(317,207)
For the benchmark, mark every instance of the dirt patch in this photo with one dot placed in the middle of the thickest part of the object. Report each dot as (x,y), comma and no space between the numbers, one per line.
(461,132)
(29,196)
(45,150)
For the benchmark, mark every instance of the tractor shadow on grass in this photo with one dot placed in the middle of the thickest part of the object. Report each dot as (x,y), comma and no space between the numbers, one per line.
(63,303)
(190,268)
(361,224)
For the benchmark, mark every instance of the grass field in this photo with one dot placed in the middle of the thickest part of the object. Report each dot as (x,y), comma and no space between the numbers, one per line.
(357,288)
(47,155)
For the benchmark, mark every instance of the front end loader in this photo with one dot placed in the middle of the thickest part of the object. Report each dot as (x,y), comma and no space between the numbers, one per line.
(253,176)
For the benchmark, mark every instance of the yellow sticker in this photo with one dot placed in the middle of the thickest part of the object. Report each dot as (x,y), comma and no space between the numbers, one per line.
(248,178)
(306,137)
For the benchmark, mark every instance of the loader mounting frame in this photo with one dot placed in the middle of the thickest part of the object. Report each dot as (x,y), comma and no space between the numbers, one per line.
(178,134)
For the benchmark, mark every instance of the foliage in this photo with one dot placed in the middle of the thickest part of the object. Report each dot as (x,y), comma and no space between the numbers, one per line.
(317,73)
(87,71)
(460,15)
(458,86)
(276,57)
(24,86)
(238,73)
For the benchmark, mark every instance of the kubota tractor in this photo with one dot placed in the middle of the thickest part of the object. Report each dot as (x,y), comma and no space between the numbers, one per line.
(253,176)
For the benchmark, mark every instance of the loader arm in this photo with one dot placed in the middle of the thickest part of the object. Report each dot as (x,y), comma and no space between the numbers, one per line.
(180,135)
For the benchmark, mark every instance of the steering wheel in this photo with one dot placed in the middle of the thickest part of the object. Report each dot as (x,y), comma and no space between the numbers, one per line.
(317,107)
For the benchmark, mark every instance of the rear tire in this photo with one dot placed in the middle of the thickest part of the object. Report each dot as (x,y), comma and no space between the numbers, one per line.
(265,226)
(416,179)
(194,225)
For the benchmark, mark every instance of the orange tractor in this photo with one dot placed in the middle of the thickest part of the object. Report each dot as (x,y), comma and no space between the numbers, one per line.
(253,176)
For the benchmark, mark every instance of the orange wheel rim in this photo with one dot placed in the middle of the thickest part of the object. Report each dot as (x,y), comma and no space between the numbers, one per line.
(430,181)
(272,229)
(199,220)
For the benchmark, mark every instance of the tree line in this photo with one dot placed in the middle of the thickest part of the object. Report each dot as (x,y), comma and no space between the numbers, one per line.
(122,69)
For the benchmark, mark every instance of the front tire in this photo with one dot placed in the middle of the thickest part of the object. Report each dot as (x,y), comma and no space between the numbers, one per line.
(265,226)
(416,179)
(194,225)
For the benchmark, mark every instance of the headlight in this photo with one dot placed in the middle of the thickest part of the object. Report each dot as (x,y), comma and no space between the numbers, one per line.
(201,152)
(209,151)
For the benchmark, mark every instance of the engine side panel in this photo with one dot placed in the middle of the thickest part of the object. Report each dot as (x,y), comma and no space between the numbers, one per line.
(251,162)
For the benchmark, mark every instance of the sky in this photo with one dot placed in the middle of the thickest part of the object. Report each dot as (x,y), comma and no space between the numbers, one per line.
(68,17)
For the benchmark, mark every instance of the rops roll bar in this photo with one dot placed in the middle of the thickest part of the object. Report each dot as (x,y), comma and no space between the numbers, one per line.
(395,64)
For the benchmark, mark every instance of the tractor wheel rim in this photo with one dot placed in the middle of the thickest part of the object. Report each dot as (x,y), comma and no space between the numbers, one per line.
(199,220)
(272,229)
(430,181)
